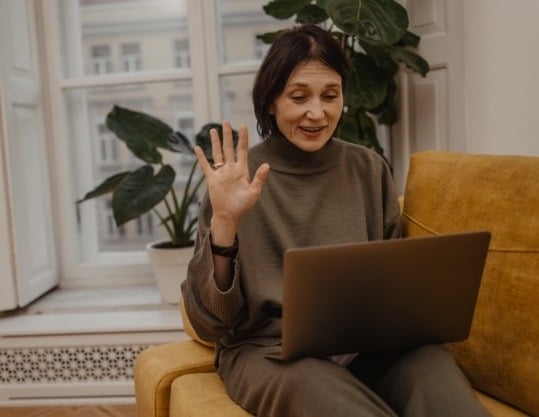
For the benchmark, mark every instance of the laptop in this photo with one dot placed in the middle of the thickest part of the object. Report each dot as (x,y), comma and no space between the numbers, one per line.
(381,295)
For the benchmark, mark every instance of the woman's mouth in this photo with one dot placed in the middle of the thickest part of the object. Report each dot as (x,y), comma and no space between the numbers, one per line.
(311,130)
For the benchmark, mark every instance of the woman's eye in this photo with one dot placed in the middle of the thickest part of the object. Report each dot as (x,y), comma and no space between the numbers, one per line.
(298,98)
(330,97)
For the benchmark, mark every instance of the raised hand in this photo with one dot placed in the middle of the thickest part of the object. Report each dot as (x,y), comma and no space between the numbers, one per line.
(232,192)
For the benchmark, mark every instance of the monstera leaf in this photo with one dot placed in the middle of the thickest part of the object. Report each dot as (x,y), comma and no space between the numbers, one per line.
(377,22)
(366,87)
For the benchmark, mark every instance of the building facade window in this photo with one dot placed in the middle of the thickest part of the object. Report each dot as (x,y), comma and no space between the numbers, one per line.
(182,57)
(131,57)
(108,145)
(100,59)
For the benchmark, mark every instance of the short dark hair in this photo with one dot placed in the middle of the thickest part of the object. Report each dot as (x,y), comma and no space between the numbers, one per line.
(291,48)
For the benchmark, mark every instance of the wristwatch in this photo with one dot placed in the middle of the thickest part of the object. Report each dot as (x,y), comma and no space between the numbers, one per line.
(226,251)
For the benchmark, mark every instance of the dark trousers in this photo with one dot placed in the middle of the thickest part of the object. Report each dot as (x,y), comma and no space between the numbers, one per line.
(424,382)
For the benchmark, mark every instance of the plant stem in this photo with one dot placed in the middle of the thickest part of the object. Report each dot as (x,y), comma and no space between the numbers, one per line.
(164,223)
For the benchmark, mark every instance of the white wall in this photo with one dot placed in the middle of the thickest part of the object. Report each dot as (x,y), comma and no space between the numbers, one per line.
(502,76)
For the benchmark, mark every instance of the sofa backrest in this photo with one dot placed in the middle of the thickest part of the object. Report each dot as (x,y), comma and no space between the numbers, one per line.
(450,192)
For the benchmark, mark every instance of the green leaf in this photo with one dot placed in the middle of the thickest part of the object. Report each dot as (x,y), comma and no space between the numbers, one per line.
(311,14)
(178,142)
(105,187)
(269,37)
(382,59)
(349,128)
(378,22)
(142,133)
(368,131)
(387,112)
(410,59)
(283,9)
(140,191)
(355,128)
(366,86)
(410,39)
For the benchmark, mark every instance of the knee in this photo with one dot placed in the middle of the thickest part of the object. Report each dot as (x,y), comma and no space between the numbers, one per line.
(424,365)
(301,373)
(432,357)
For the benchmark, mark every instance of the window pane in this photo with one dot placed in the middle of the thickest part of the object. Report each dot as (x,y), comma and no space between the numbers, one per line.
(99,151)
(236,103)
(110,36)
(239,23)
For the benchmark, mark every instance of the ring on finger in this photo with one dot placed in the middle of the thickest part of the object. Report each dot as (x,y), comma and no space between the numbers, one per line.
(218,165)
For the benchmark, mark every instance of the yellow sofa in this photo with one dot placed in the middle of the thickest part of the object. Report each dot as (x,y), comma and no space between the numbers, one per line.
(445,192)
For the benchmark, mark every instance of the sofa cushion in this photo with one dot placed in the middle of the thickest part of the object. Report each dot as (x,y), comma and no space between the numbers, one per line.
(202,395)
(497,408)
(157,367)
(451,192)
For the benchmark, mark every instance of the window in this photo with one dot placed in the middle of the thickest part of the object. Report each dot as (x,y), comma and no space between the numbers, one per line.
(108,145)
(182,59)
(260,48)
(100,59)
(131,57)
(186,62)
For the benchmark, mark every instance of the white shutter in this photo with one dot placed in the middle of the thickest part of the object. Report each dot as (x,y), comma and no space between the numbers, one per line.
(8,292)
(27,244)
(432,108)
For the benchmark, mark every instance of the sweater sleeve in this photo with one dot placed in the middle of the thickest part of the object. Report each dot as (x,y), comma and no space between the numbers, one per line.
(212,312)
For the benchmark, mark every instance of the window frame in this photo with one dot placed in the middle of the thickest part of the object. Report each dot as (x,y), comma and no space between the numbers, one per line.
(205,73)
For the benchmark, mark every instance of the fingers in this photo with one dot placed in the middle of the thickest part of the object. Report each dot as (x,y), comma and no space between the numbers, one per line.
(202,161)
(228,142)
(260,177)
(216,148)
(243,145)
(223,150)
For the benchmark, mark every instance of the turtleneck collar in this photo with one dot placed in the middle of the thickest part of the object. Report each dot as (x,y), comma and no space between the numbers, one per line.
(284,156)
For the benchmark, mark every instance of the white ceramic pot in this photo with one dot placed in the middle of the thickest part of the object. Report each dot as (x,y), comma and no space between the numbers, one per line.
(170,269)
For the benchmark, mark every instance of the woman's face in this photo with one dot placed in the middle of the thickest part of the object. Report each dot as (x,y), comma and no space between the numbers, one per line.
(310,106)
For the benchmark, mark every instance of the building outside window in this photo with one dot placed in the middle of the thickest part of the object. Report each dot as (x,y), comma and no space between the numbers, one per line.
(182,57)
(100,59)
(108,145)
(131,57)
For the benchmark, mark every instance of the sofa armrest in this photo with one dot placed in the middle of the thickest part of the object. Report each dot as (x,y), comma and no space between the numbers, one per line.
(158,366)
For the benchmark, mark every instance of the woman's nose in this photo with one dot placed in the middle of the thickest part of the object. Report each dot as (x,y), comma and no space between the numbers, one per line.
(315,110)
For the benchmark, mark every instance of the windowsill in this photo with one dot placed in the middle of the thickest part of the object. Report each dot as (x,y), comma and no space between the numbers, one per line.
(80,300)
(96,311)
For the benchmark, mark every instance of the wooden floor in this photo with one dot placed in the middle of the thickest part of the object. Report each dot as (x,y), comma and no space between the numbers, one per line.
(71,411)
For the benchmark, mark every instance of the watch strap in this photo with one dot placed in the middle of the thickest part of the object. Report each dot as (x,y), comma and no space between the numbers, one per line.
(226,251)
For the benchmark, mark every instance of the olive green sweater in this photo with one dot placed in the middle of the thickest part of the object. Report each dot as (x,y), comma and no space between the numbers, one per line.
(342,193)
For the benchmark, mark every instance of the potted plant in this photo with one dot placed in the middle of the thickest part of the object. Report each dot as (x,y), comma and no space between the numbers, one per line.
(375,36)
(141,190)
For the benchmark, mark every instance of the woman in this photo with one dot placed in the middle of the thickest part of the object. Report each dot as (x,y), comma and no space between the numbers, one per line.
(300,187)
